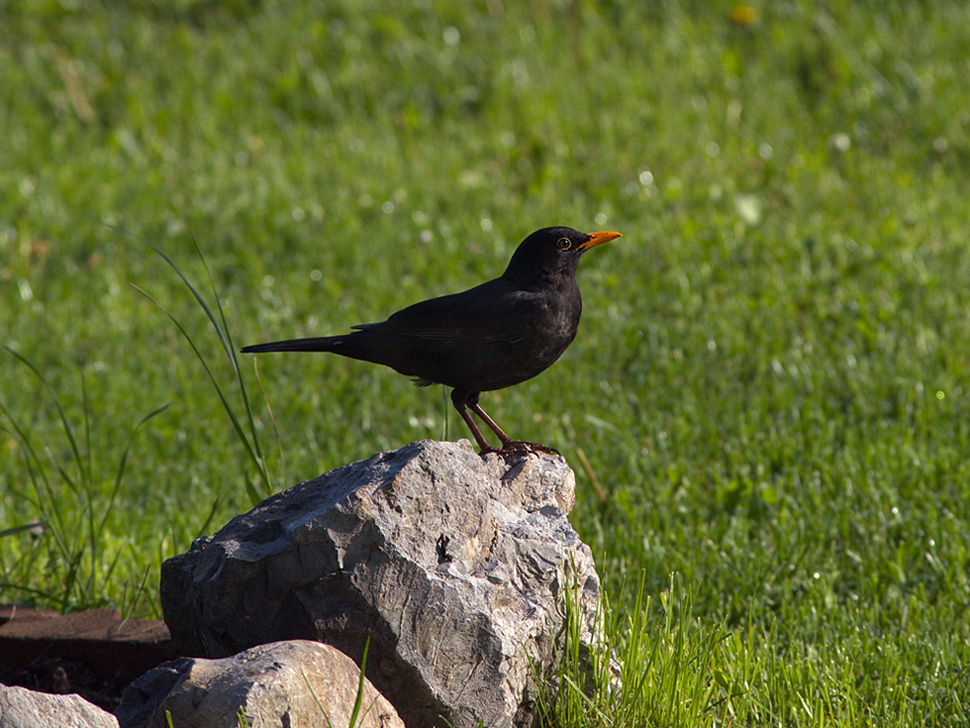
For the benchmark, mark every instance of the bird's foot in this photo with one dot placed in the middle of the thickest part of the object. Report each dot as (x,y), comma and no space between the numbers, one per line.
(519,447)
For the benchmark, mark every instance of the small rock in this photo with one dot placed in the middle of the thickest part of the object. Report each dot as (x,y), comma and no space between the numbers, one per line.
(453,566)
(23,708)
(300,684)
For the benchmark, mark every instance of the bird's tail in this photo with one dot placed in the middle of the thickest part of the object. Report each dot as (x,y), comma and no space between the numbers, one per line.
(322,343)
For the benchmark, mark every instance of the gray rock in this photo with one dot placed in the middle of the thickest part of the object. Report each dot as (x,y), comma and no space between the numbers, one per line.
(452,565)
(299,683)
(23,708)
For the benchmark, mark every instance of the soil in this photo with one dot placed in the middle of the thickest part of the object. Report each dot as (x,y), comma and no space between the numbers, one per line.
(94,654)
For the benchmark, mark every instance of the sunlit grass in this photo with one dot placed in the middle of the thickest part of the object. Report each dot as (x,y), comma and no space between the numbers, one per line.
(768,392)
(72,494)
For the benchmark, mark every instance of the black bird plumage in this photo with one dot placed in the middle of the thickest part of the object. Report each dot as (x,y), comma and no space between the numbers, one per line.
(500,333)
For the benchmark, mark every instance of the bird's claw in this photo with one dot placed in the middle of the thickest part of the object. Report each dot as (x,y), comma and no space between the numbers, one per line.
(519,447)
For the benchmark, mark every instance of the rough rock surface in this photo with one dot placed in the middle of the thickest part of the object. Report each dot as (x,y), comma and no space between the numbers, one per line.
(23,708)
(299,683)
(453,566)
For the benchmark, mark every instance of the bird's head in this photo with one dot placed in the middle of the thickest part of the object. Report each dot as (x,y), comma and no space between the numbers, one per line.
(550,253)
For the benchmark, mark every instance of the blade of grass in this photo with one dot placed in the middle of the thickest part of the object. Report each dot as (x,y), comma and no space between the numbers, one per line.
(358,701)
(360,686)
(13,530)
(46,501)
(220,324)
(272,418)
(237,426)
(68,430)
(229,347)
(75,526)
(123,462)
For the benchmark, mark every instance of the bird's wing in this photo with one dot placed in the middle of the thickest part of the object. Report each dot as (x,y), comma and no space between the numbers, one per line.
(493,311)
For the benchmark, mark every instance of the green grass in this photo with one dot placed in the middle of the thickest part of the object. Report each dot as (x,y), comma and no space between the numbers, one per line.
(769,384)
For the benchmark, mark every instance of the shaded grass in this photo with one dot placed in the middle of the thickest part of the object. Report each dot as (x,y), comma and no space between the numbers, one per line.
(769,384)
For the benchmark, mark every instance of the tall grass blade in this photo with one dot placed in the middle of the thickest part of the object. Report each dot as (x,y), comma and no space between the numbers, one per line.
(230,350)
(250,442)
(237,426)
(65,423)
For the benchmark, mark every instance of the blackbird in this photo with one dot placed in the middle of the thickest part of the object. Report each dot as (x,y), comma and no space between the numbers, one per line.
(489,337)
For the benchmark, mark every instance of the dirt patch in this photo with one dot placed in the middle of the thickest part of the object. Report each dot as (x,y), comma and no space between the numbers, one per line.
(94,654)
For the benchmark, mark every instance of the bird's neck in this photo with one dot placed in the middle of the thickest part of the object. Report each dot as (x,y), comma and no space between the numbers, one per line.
(534,278)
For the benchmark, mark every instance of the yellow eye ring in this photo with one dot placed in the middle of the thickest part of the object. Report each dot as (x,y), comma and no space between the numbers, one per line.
(564,243)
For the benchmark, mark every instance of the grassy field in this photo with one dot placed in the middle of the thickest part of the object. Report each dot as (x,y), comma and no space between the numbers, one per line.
(767,404)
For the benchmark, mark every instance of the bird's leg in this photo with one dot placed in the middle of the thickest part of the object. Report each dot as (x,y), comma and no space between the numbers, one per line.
(464,399)
(477,409)
(460,399)
(483,445)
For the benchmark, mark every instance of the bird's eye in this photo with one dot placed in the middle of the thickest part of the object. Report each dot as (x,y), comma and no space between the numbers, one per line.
(564,243)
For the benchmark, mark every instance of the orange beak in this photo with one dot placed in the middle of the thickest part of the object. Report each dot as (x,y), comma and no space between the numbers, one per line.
(599,239)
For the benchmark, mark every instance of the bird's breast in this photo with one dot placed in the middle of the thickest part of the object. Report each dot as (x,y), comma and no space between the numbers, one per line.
(556,328)
(552,324)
